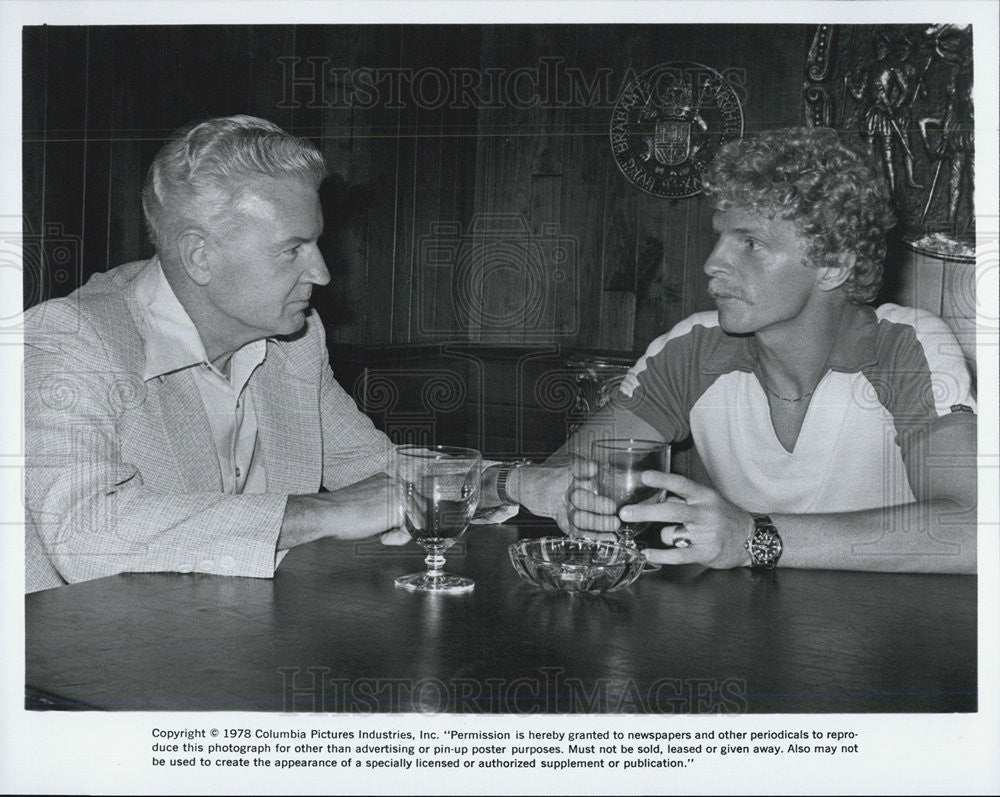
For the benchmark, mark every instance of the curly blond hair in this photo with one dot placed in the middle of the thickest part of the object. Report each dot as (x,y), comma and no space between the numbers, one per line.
(833,192)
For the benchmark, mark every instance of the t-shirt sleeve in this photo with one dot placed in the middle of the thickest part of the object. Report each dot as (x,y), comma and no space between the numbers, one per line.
(660,386)
(921,376)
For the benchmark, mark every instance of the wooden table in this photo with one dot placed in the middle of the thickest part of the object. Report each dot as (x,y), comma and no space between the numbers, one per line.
(331,633)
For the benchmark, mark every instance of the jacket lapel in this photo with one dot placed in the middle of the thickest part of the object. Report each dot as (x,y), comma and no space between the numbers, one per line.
(288,425)
(186,427)
(181,414)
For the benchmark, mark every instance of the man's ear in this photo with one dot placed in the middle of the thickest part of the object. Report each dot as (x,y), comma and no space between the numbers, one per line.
(193,254)
(832,277)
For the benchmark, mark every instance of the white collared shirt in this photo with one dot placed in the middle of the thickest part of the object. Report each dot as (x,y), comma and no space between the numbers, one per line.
(172,344)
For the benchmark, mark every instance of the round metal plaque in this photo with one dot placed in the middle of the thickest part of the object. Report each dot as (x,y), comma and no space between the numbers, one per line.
(669,123)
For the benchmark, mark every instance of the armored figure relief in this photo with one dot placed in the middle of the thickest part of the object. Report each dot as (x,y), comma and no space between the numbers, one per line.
(885,93)
(948,136)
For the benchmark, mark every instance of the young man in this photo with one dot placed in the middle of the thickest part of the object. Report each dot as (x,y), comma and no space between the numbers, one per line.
(836,434)
(181,413)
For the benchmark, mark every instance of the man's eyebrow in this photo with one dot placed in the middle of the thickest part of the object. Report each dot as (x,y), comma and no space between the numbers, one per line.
(751,229)
(296,239)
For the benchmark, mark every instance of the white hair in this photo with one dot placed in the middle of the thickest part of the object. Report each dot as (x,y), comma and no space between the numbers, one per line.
(199,171)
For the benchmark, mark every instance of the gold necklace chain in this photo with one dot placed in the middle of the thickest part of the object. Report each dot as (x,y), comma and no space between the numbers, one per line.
(785,398)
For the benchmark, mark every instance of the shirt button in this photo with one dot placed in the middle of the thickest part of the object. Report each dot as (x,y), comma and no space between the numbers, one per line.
(206,565)
(227,564)
(237,473)
(185,568)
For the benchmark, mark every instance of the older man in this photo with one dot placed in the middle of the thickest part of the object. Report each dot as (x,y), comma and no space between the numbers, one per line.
(835,434)
(181,414)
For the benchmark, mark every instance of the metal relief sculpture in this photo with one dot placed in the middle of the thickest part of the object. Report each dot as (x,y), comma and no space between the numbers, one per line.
(885,91)
(907,91)
(948,135)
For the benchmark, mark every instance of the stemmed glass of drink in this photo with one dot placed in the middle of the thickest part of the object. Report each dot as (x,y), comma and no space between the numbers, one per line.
(439,489)
(620,463)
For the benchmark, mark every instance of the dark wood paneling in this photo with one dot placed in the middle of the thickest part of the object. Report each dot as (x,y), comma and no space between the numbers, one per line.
(416,394)
(97,164)
(506,402)
(34,90)
(64,151)
(385,146)
(347,144)
(440,317)
(266,76)
(635,259)
(584,198)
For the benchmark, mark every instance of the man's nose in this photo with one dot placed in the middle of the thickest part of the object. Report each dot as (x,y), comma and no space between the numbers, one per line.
(716,261)
(317,272)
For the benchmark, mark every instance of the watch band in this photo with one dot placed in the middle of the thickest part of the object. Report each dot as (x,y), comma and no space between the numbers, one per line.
(503,473)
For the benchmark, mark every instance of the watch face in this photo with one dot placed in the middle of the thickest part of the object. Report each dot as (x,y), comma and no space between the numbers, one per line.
(765,548)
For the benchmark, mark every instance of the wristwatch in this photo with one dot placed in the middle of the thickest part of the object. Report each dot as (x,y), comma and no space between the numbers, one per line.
(763,544)
(503,473)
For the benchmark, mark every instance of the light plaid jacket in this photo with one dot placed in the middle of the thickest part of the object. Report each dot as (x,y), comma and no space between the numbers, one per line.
(122,475)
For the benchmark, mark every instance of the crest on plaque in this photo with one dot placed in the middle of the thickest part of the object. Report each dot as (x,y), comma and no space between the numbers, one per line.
(673,142)
(668,124)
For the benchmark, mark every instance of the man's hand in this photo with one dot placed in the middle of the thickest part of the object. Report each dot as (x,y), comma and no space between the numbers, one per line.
(714,530)
(360,510)
(398,536)
(588,514)
(546,490)
(568,495)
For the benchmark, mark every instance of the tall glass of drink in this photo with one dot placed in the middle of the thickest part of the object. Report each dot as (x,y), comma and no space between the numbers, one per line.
(620,463)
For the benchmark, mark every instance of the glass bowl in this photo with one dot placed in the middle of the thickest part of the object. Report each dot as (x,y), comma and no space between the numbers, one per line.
(572,564)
